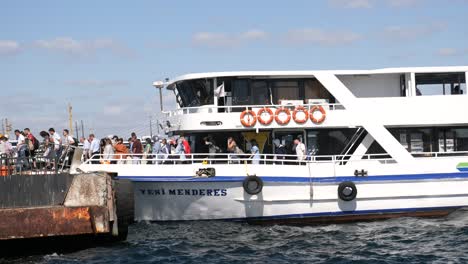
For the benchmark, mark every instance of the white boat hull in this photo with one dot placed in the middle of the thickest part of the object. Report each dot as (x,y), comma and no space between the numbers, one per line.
(279,201)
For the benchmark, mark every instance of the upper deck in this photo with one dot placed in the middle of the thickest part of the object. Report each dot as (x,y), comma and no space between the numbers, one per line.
(214,101)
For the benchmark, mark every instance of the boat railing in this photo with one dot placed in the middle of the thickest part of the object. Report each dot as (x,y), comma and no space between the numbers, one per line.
(220,158)
(229,158)
(240,108)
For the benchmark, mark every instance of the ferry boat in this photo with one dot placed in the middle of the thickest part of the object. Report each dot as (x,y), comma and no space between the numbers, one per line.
(380,144)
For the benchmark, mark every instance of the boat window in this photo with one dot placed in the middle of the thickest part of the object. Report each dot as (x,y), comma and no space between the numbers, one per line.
(314,91)
(285,90)
(427,139)
(195,93)
(240,92)
(260,94)
(250,92)
(329,141)
(440,83)
(415,140)
(453,139)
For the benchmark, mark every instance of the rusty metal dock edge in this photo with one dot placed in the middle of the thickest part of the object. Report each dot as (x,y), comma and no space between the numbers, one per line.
(89,207)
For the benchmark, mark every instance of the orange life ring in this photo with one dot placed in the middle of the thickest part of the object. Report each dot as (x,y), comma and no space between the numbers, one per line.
(251,121)
(288,118)
(322,111)
(298,109)
(263,121)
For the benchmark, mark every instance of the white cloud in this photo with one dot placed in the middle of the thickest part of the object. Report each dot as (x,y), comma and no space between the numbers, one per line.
(113,110)
(398,33)
(84,48)
(403,3)
(217,39)
(448,52)
(9,47)
(321,37)
(351,3)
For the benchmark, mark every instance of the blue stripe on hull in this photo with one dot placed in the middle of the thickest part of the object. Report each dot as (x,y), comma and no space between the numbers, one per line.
(352,213)
(407,177)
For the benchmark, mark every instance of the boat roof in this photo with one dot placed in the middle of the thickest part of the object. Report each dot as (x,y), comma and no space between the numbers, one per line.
(308,73)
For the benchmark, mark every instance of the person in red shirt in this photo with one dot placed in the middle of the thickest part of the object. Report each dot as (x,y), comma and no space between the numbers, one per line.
(34,143)
(187,148)
(137,149)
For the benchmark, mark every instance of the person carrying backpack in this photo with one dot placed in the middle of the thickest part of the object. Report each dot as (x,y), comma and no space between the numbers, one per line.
(32,144)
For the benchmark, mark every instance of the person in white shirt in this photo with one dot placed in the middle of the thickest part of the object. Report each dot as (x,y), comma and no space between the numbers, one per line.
(94,148)
(21,147)
(67,139)
(300,149)
(108,153)
(86,145)
(68,144)
(54,137)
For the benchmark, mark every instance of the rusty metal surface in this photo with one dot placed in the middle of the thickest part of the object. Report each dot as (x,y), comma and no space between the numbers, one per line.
(52,221)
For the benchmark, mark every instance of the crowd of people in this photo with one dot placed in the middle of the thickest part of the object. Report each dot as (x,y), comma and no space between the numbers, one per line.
(113,150)
(59,149)
(54,148)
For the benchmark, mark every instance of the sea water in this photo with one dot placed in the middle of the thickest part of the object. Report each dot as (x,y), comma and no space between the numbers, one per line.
(402,240)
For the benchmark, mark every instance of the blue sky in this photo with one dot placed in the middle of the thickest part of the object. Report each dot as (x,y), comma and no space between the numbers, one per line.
(102,56)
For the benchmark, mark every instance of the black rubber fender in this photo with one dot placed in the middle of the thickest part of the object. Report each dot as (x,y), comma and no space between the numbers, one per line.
(252,185)
(347,191)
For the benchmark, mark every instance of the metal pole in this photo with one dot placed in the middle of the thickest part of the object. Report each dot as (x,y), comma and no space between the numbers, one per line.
(3,126)
(157,125)
(151,127)
(82,128)
(161,99)
(76,129)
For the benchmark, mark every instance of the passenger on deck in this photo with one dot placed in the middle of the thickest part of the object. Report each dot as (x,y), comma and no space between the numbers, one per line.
(187,148)
(33,144)
(165,150)
(137,149)
(147,151)
(212,148)
(121,150)
(94,149)
(86,144)
(156,148)
(49,152)
(21,161)
(68,146)
(108,153)
(5,146)
(300,149)
(280,150)
(54,137)
(233,149)
(180,151)
(255,152)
